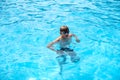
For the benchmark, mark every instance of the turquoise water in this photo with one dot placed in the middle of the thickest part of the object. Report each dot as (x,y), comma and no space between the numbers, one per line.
(27,26)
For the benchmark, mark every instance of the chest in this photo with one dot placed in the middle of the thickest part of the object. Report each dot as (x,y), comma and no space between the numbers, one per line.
(65,41)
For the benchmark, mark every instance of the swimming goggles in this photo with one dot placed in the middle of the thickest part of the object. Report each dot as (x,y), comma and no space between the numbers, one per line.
(64,32)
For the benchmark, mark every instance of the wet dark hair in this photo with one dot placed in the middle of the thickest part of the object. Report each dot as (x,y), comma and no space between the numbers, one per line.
(64,29)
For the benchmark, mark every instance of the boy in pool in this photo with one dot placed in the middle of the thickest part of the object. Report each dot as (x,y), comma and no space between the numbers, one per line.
(64,41)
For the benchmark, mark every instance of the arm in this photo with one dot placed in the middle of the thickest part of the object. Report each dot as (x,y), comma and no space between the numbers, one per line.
(77,40)
(50,45)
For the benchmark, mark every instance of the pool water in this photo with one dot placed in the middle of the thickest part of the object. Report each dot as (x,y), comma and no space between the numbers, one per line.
(27,26)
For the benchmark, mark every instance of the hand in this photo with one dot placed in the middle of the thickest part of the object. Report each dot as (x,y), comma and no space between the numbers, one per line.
(77,40)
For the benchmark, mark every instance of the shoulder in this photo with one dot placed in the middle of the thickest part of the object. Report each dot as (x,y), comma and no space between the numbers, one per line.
(71,34)
(57,39)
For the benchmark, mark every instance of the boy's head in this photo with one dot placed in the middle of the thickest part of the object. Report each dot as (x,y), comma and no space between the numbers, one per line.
(64,30)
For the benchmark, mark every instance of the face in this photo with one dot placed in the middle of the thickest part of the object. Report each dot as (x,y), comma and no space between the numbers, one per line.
(64,34)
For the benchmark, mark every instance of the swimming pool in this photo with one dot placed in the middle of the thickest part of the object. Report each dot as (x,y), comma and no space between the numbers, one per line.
(27,26)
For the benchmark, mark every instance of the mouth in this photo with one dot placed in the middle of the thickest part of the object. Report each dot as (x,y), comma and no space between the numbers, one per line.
(66,35)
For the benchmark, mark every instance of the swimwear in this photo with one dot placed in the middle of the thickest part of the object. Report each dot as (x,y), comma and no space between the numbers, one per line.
(66,49)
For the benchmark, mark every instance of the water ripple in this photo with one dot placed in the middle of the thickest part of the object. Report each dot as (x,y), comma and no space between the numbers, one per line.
(28,25)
